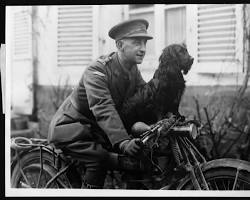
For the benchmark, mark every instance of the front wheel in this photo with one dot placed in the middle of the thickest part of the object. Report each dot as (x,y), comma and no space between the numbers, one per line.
(224,174)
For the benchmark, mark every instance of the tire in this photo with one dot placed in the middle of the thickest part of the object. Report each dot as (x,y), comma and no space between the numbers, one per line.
(223,178)
(30,165)
(30,176)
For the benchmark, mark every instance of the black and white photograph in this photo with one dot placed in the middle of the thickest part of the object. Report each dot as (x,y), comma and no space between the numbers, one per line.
(127,100)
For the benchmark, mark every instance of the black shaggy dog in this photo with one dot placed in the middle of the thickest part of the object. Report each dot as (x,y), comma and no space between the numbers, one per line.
(161,96)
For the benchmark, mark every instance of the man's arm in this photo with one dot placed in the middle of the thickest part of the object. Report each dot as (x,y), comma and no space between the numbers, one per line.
(145,93)
(144,96)
(102,105)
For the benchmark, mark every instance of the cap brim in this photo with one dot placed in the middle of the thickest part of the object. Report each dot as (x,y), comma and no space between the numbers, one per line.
(148,37)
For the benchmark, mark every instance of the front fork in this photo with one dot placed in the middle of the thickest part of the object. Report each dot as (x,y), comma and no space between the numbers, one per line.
(187,152)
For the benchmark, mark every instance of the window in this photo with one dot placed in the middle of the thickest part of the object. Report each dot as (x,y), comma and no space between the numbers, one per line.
(148,14)
(213,33)
(216,33)
(175,25)
(22,63)
(22,33)
(75,30)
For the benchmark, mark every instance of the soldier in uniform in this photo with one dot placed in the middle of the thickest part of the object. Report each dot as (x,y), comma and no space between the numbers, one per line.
(88,124)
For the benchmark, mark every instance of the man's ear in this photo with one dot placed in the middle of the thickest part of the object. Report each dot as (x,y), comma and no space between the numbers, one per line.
(119,44)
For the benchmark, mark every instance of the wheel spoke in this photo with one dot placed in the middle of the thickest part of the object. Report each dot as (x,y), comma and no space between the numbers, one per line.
(236,179)
(39,178)
(46,178)
(209,185)
(224,185)
(25,177)
(228,184)
(216,185)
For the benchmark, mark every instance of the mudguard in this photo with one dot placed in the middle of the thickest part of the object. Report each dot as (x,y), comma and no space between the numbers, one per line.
(49,149)
(219,163)
(227,162)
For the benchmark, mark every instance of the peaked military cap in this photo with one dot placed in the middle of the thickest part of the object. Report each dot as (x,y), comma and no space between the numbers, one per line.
(130,29)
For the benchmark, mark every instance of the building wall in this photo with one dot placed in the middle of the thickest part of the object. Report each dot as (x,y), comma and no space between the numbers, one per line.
(104,17)
(205,73)
(49,72)
(206,86)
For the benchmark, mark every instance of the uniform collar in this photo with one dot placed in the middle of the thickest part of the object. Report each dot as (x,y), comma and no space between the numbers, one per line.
(118,68)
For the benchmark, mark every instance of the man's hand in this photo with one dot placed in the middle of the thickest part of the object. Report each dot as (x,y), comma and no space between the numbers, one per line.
(131,147)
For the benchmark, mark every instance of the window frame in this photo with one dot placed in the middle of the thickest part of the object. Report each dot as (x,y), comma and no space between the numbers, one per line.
(169,7)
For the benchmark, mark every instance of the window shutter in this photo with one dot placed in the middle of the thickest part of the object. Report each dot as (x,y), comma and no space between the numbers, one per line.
(22,33)
(21,64)
(219,38)
(75,30)
(216,33)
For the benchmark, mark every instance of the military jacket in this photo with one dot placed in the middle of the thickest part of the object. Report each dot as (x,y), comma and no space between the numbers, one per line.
(101,92)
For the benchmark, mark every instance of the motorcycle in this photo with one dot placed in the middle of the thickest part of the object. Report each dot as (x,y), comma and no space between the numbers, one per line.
(169,148)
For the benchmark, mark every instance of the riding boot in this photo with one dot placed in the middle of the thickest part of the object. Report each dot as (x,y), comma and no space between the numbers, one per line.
(94,178)
(112,161)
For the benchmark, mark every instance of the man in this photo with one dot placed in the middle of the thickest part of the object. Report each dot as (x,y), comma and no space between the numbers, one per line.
(88,124)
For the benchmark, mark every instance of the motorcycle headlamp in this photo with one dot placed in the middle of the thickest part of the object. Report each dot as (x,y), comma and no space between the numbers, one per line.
(193,131)
(190,129)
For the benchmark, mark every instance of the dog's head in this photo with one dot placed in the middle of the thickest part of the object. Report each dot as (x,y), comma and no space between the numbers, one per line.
(176,55)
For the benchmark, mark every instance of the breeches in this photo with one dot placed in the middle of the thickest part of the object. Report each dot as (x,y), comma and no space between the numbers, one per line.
(93,156)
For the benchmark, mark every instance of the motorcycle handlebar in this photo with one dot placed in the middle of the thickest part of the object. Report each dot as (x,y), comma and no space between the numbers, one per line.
(189,126)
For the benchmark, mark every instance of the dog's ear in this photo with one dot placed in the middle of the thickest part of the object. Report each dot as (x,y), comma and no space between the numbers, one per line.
(167,55)
(164,56)
(172,52)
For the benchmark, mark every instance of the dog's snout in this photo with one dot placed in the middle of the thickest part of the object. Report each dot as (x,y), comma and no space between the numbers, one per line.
(191,60)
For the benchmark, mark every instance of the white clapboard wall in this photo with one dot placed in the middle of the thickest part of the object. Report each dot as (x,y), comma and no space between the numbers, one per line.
(75,33)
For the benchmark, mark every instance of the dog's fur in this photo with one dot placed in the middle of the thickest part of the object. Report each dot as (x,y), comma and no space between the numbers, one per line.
(162,94)
(173,63)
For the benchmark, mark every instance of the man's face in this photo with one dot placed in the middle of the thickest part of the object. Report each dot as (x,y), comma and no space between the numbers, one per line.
(133,49)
